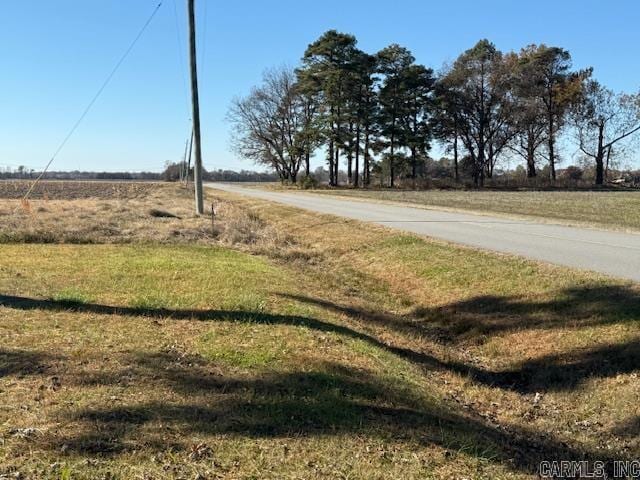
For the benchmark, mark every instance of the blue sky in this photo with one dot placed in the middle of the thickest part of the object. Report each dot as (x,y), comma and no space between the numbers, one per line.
(55,55)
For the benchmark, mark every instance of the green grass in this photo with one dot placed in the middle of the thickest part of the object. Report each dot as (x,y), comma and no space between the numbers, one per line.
(147,336)
(374,355)
(601,209)
(71,297)
(244,346)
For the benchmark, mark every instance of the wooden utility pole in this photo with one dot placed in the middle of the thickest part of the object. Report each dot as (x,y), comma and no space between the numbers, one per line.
(183,165)
(195,107)
(186,177)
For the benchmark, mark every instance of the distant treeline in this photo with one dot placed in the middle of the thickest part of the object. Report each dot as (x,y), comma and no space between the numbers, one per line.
(171,173)
(24,173)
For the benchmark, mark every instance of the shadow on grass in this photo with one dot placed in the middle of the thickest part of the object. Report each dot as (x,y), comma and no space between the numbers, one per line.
(578,308)
(240,316)
(575,307)
(329,401)
(629,429)
(565,371)
(23,362)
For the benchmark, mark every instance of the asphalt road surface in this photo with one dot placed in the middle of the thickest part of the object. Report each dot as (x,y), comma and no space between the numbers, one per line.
(612,253)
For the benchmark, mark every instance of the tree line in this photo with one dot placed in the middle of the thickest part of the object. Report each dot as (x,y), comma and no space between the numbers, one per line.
(23,172)
(380,114)
(172,173)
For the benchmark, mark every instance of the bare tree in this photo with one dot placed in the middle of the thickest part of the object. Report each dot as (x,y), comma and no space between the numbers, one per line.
(270,124)
(604,119)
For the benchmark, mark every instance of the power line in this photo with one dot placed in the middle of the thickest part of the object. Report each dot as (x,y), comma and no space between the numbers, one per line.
(184,84)
(95,98)
(203,40)
(185,90)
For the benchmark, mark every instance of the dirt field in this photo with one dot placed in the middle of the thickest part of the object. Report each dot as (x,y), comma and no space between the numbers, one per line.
(74,190)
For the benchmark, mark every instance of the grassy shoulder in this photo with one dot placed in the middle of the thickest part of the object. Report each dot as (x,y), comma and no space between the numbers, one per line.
(617,210)
(302,346)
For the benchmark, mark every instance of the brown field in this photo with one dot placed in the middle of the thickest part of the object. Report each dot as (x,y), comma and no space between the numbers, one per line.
(286,344)
(74,190)
(120,212)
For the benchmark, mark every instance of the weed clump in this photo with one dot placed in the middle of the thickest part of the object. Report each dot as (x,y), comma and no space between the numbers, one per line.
(157,213)
(246,227)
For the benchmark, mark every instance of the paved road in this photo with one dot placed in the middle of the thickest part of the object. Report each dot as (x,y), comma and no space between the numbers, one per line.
(612,253)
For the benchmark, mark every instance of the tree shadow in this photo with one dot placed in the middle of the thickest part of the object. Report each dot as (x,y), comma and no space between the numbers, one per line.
(565,371)
(575,307)
(328,401)
(23,362)
(241,316)
(630,428)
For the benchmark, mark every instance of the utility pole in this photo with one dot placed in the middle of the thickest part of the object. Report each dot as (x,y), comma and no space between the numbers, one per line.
(183,165)
(186,178)
(195,107)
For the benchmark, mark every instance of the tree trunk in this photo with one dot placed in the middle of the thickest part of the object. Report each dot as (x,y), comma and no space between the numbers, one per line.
(551,143)
(480,164)
(531,158)
(490,162)
(338,140)
(414,155)
(531,166)
(600,168)
(455,158)
(414,166)
(600,157)
(356,177)
(331,179)
(336,167)
(307,161)
(367,166)
(476,171)
(391,162)
(350,157)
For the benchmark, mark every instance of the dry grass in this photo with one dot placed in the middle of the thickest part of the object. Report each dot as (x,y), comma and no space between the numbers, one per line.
(103,212)
(341,350)
(620,210)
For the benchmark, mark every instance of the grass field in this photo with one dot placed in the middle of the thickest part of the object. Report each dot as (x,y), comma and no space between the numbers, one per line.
(291,345)
(620,210)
